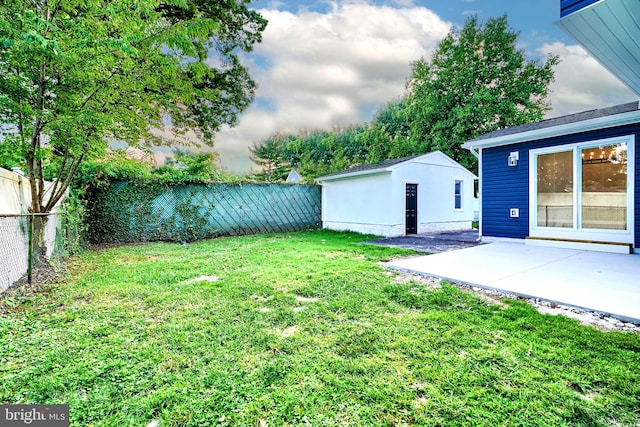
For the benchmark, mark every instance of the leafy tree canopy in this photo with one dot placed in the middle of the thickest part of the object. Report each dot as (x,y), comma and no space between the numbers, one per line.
(76,74)
(268,154)
(476,82)
(189,166)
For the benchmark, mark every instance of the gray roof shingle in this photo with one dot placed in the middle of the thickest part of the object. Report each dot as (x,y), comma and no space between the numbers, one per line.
(563,120)
(372,166)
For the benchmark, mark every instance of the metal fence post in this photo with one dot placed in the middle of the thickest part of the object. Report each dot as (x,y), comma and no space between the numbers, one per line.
(29,247)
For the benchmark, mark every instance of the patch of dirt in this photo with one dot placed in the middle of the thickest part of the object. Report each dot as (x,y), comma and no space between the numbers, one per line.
(22,289)
(203,279)
(305,299)
(428,282)
(591,318)
(289,331)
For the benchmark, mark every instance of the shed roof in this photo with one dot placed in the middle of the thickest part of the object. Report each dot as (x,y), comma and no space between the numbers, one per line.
(616,115)
(388,165)
(369,167)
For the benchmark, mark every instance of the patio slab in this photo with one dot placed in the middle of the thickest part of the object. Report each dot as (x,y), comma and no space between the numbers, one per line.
(595,281)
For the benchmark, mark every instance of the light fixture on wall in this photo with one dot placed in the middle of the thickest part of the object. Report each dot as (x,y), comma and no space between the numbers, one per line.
(513,158)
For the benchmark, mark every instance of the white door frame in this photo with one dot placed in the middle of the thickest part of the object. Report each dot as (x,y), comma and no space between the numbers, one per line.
(577,233)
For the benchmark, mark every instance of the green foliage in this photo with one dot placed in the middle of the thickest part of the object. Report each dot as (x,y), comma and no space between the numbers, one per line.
(268,154)
(75,75)
(190,167)
(116,165)
(311,153)
(74,223)
(125,216)
(476,82)
(144,210)
(134,211)
(10,155)
(301,329)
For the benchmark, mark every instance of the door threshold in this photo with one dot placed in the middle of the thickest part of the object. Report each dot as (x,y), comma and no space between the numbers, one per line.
(586,245)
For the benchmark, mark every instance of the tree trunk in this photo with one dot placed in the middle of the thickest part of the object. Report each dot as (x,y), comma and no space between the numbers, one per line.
(38,243)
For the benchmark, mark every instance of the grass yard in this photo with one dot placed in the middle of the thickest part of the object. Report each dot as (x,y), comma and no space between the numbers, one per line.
(300,329)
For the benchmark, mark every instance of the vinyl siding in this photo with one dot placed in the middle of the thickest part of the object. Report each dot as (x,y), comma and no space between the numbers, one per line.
(567,7)
(505,187)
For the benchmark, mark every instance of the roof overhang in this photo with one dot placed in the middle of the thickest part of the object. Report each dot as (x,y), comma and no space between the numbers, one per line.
(354,174)
(622,119)
(610,31)
(436,158)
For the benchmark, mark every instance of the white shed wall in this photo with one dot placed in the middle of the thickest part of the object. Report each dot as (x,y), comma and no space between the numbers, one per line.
(436,195)
(358,204)
(375,203)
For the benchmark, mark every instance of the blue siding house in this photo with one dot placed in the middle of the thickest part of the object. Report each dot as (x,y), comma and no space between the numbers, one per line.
(571,181)
(567,7)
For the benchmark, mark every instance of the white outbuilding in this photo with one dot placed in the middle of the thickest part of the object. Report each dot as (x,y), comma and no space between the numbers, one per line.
(419,194)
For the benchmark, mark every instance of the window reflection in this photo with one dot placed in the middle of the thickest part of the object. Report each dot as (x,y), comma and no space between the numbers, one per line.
(555,189)
(604,187)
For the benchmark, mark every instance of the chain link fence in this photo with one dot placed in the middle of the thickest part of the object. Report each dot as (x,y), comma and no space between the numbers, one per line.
(142,212)
(30,245)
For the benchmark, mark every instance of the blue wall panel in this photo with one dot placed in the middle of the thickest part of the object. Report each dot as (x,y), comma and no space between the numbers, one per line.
(569,6)
(505,187)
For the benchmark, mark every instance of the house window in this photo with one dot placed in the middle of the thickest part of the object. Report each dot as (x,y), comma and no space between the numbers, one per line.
(583,188)
(555,189)
(458,194)
(604,187)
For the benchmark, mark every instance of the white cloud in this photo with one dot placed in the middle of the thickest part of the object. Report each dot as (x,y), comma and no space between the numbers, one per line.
(317,70)
(581,83)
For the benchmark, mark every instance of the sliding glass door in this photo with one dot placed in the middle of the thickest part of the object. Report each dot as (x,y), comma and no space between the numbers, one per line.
(555,189)
(583,191)
(604,187)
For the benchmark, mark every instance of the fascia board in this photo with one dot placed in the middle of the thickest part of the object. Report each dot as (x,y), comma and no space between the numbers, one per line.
(630,117)
(354,174)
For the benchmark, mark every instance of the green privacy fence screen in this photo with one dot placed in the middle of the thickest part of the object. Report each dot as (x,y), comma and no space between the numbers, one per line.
(150,211)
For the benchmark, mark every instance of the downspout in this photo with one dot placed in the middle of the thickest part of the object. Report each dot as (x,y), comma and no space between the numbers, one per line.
(478,156)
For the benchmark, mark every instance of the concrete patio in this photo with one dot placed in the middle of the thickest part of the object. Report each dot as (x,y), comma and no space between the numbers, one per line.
(595,281)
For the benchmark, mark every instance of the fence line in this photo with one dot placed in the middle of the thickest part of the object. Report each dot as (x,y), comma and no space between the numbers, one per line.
(28,241)
(21,254)
(140,212)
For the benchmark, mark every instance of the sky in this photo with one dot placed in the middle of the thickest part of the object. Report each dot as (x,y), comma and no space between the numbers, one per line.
(324,64)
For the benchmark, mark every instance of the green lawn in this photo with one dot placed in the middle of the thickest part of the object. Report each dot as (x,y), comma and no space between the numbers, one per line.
(300,329)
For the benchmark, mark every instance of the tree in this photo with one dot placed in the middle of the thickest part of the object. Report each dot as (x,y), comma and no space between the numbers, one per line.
(189,166)
(476,82)
(268,155)
(389,136)
(76,74)
(394,118)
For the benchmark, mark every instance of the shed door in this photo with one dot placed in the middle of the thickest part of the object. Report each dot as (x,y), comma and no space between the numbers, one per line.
(411,218)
